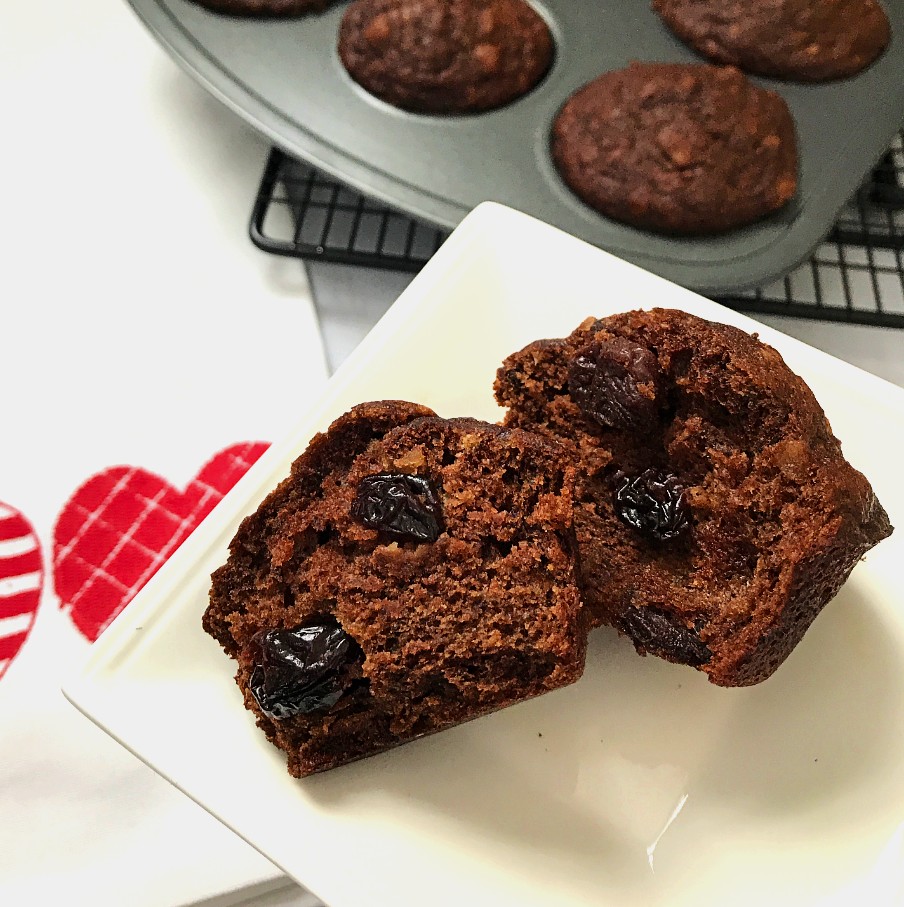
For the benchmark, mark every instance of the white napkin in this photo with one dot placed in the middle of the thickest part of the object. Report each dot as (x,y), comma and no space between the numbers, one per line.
(141,329)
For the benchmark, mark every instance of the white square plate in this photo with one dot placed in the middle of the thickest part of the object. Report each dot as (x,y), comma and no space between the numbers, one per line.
(640,785)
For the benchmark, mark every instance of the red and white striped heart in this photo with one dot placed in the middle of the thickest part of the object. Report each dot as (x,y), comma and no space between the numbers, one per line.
(21,579)
(119,528)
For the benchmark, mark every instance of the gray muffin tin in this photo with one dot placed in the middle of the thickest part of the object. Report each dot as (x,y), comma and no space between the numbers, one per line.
(284,77)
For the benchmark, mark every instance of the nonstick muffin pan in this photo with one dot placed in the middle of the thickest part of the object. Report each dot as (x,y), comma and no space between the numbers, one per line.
(284,77)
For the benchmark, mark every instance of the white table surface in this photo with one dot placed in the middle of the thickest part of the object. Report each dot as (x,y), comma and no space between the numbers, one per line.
(122,179)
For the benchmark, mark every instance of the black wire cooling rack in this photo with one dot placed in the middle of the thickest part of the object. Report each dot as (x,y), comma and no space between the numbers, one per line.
(856,275)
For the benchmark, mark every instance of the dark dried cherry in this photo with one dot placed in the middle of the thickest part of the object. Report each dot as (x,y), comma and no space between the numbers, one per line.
(302,670)
(401,505)
(616,383)
(653,503)
(654,631)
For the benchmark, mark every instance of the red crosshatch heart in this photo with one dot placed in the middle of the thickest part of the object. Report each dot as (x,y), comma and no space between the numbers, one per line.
(118,528)
(21,579)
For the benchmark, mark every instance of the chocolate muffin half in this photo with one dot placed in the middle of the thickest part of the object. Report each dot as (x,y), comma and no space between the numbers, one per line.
(715,514)
(802,40)
(677,148)
(410,574)
(445,56)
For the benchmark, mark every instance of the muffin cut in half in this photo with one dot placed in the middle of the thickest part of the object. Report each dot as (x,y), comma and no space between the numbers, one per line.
(410,574)
(715,513)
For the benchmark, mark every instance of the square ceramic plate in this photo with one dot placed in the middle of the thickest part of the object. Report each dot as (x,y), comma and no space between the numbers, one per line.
(640,785)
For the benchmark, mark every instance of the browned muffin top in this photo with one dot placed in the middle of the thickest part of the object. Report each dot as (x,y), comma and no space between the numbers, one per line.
(791,39)
(445,56)
(677,148)
(265,8)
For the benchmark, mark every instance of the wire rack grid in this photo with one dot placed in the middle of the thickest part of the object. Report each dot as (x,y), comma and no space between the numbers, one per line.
(856,275)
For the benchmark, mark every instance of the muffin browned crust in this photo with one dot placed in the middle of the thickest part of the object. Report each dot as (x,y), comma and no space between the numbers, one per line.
(461,598)
(677,148)
(445,56)
(716,514)
(791,39)
(265,8)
